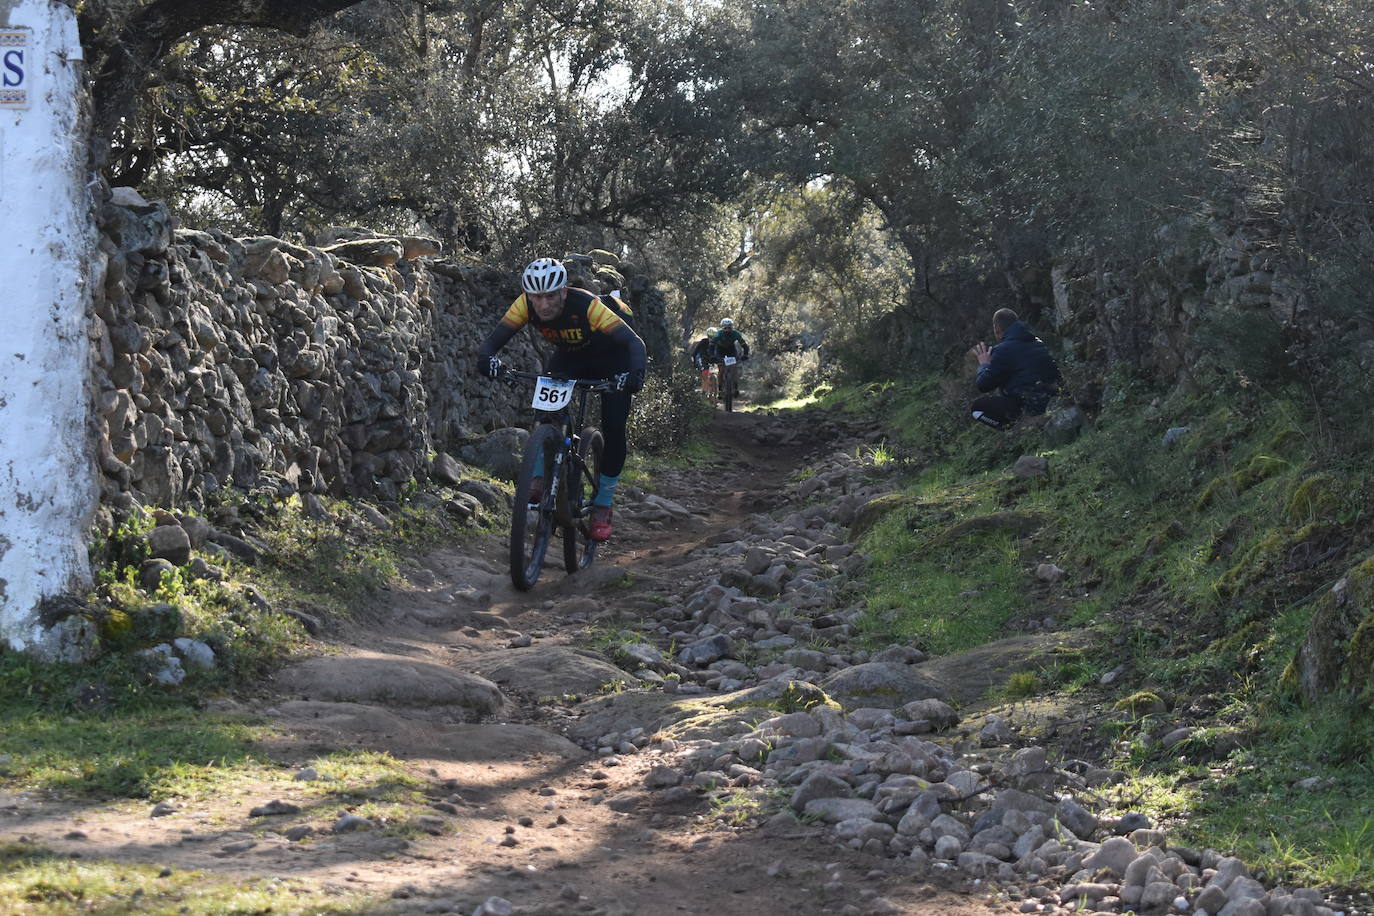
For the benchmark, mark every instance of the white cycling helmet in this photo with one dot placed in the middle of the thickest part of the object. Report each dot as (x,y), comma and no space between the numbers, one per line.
(727,323)
(544,276)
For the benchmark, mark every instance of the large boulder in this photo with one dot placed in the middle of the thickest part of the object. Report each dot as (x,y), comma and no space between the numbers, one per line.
(881,685)
(552,671)
(1337,654)
(875,510)
(395,681)
(138,225)
(499,453)
(445,469)
(968,676)
(1019,524)
(1063,426)
(377,252)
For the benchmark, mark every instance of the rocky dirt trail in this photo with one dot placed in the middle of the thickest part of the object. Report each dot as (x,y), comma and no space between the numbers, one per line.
(474,685)
(687,727)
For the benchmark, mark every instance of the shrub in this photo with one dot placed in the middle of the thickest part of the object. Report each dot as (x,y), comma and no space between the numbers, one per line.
(667,413)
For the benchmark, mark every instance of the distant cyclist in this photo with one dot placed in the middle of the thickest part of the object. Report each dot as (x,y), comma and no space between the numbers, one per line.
(730,343)
(591,341)
(703,355)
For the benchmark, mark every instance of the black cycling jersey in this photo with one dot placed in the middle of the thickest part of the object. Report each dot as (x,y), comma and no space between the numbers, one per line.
(588,333)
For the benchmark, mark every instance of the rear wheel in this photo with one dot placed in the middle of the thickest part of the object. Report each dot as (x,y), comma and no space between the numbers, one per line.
(579,550)
(531,526)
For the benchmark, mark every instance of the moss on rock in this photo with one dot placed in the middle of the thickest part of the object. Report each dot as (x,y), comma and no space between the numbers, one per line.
(1238,641)
(1142,703)
(1337,654)
(875,510)
(1258,469)
(1360,664)
(114,625)
(1252,564)
(1317,496)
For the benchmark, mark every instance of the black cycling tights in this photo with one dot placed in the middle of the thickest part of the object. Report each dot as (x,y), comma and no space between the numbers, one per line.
(615,414)
(615,406)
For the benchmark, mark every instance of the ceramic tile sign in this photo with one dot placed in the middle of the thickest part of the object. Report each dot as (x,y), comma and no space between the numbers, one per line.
(15,84)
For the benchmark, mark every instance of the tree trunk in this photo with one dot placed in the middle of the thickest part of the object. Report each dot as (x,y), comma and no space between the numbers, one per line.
(48,465)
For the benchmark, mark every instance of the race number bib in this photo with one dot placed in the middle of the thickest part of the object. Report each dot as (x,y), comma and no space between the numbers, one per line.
(730,360)
(552,393)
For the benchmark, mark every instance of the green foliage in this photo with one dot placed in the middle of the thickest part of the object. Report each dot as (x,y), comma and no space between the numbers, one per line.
(324,561)
(669,414)
(821,268)
(741,807)
(246,635)
(496,129)
(1021,685)
(1323,818)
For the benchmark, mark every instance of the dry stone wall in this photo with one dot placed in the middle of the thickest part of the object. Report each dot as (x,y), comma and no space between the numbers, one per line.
(1152,317)
(339,368)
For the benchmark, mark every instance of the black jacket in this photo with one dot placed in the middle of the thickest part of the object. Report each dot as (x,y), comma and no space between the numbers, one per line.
(704,351)
(1023,368)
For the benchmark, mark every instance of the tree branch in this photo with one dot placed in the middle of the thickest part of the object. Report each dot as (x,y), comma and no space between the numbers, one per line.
(128,49)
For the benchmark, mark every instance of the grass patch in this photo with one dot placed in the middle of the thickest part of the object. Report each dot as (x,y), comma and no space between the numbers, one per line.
(741,807)
(105,730)
(339,562)
(36,881)
(1200,563)
(150,754)
(1295,802)
(941,600)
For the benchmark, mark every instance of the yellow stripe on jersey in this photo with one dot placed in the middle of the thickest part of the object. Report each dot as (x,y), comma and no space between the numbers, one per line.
(518,315)
(602,318)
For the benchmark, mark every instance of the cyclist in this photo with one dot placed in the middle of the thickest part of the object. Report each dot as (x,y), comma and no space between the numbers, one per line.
(730,342)
(591,340)
(703,355)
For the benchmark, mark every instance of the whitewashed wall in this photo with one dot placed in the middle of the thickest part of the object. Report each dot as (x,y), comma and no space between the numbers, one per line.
(47,471)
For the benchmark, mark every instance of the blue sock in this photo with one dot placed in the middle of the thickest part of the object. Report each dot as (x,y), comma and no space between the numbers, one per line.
(605,490)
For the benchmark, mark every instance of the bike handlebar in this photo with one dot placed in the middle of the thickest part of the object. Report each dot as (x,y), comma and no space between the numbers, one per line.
(602,384)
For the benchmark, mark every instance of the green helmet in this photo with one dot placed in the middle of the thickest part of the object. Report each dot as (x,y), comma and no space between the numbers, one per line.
(712,332)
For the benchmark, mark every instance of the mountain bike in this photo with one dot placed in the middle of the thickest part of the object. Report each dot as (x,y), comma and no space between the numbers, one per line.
(710,380)
(565,455)
(729,381)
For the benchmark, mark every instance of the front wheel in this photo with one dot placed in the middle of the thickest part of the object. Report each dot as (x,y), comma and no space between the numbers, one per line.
(579,550)
(727,383)
(532,525)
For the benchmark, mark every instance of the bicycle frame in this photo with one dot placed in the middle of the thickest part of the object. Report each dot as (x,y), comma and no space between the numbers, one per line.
(565,453)
(569,421)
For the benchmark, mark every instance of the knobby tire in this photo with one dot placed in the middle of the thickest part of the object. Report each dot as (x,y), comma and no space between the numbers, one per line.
(579,550)
(530,528)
